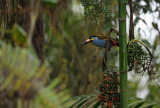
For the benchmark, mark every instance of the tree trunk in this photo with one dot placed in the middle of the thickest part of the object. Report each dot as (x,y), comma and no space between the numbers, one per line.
(38,34)
(22,16)
(123,54)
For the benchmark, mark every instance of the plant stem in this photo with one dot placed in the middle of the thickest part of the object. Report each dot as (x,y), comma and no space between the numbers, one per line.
(123,54)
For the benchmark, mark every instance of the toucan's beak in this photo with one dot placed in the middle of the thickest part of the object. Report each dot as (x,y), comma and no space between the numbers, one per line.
(86,41)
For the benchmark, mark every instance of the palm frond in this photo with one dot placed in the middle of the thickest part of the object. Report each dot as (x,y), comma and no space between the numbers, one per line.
(24,82)
(90,101)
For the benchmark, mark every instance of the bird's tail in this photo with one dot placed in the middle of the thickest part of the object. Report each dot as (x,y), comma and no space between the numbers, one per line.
(114,42)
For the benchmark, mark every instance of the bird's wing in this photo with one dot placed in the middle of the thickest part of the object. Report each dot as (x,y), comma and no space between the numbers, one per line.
(102,37)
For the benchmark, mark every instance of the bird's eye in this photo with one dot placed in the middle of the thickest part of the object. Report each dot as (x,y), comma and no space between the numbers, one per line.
(92,38)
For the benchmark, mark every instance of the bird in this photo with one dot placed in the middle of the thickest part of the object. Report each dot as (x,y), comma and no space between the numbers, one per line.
(100,41)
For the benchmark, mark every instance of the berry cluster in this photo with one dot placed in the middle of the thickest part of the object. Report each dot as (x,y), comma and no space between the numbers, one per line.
(108,89)
(138,58)
(97,10)
(135,52)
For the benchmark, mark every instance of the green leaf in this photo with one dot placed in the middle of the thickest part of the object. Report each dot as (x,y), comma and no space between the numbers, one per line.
(139,104)
(147,43)
(135,103)
(149,106)
(19,35)
(155,26)
(80,103)
(138,19)
(97,105)
(87,102)
(156,43)
(143,21)
(94,105)
(21,73)
(51,3)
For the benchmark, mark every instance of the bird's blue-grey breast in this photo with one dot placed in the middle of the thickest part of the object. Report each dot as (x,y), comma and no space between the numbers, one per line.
(101,43)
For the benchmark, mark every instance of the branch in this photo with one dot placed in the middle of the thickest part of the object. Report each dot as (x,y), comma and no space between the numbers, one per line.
(131,26)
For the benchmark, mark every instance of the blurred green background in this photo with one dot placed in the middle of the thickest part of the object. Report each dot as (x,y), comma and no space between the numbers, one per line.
(43,63)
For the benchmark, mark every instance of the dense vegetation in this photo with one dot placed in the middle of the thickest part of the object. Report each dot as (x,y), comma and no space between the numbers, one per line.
(43,64)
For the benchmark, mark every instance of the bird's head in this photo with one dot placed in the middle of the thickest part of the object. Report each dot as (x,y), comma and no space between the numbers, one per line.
(91,38)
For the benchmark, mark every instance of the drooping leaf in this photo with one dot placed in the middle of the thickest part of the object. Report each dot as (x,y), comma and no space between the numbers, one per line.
(146,43)
(139,104)
(19,35)
(139,19)
(135,103)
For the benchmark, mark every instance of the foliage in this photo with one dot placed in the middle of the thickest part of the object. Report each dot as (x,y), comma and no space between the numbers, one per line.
(23,80)
(154,95)
(65,54)
(79,68)
(135,52)
(138,58)
(89,101)
(51,3)
(19,36)
(98,11)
